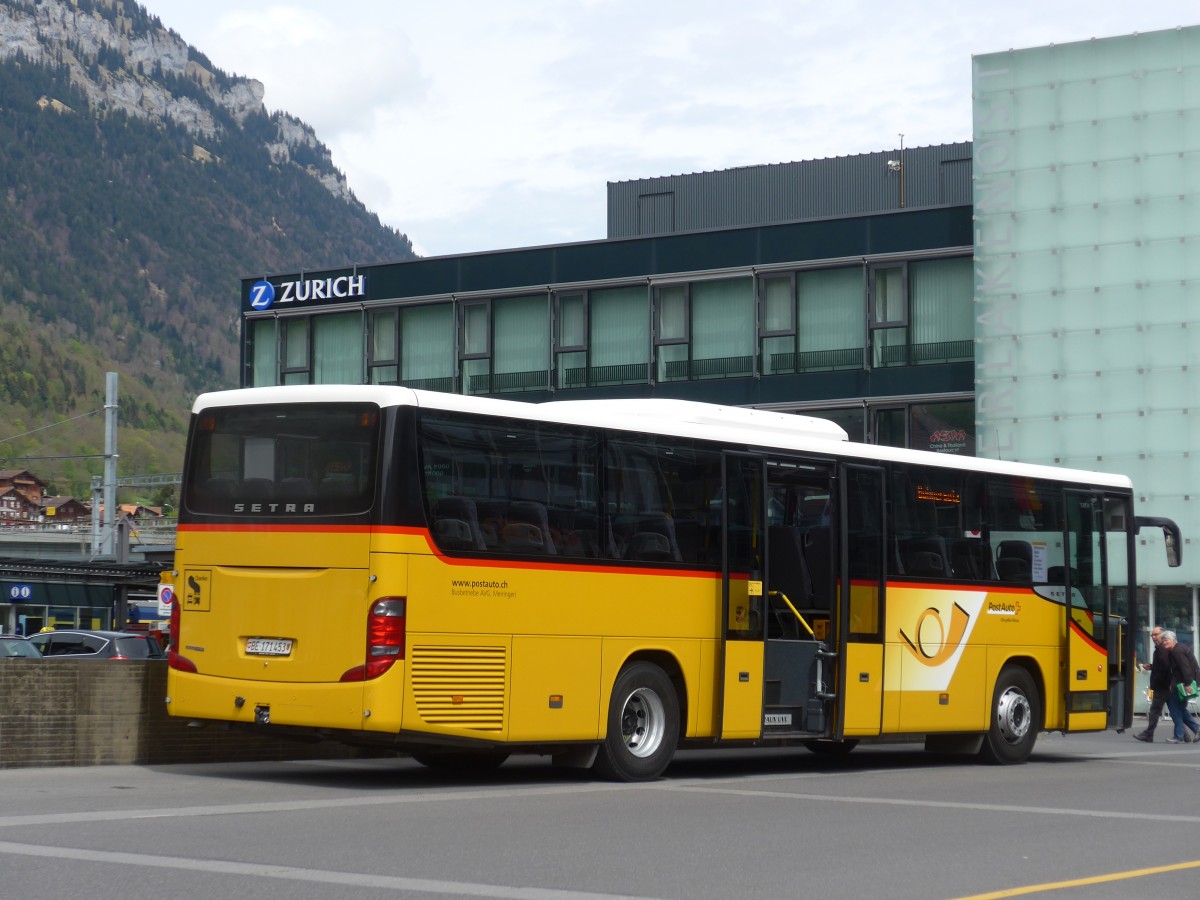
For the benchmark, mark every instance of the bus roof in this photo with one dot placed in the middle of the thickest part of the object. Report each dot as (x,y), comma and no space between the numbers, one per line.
(730,425)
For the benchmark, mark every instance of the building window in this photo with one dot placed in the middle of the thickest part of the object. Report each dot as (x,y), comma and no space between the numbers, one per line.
(475,346)
(383,365)
(887,311)
(619,336)
(521,352)
(505,345)
(338,348)
(722,328)
(570,340)
(829,320)
(295,351)
(264,353)
(671,333)
(777,324)
(943,427)
(941,303)
(427,347)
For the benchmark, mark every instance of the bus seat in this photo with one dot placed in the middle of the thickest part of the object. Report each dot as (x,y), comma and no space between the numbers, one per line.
(530,512)
(454,534)
(662,526)
(522,537)
(337,485)
(1014,561)
(580,536)
(971,559)
(461,509)
(258,488)
(1058,575)
(218,487)
(924,556)
(694,542)
(788,571)
(296,489)
(649,546)
(818,557)
(925,563)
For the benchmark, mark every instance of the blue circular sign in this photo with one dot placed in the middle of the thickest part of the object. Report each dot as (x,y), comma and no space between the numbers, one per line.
(262,295)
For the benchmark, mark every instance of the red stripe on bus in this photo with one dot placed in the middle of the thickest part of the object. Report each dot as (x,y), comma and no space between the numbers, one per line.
(475,563)
(1084,636)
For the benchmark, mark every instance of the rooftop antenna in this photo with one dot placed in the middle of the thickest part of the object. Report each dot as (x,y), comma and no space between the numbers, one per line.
(902,171)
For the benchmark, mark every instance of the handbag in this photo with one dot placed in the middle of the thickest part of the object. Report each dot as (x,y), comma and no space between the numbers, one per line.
(1186,691)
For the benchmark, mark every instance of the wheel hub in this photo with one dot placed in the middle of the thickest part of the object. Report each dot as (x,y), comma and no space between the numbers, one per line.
(643,722)
(1013,715)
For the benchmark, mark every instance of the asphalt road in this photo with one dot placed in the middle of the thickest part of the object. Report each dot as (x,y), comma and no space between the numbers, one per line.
(1095,816)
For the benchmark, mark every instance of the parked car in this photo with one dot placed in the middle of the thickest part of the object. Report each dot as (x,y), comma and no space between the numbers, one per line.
(13,646)
(97,644)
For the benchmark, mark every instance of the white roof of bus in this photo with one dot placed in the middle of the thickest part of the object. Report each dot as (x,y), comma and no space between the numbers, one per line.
(682,418)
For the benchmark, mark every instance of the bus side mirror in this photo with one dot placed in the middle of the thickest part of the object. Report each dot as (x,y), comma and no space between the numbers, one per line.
(1171,536)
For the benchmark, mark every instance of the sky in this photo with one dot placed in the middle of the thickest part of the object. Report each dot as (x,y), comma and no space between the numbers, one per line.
(475,125)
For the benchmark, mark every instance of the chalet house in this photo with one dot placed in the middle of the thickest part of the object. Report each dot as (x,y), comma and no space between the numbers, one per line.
(65,510)
(18,509)
(24,481)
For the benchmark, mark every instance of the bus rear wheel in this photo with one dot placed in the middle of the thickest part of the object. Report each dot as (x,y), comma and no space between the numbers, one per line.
(1016,719)
(643,725)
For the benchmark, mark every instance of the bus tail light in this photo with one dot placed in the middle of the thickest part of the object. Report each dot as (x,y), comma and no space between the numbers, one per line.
(385,639)
(174,659)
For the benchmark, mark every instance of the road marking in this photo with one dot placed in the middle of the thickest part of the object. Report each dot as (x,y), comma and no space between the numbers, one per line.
(234,809)
(935,804)
(1083,882)
(423,886)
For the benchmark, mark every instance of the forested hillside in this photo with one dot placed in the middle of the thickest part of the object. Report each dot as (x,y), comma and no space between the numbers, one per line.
(124,234)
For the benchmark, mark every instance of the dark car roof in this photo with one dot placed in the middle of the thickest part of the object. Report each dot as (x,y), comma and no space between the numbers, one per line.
(105,634)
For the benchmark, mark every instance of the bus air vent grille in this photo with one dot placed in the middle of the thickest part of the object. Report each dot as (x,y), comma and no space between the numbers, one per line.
(461,687)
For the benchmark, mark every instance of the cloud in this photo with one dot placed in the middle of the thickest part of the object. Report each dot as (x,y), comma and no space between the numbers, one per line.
(484,125)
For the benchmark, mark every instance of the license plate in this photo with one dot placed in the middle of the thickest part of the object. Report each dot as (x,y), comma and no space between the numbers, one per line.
(269,646)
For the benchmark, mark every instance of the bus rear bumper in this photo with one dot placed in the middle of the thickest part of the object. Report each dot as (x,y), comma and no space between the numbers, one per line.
(243,701)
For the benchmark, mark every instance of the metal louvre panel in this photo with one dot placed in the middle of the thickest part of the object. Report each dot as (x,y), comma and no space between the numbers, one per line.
(461,687)
(749,196)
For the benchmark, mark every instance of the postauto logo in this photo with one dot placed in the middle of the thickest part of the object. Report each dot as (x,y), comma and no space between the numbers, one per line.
(264,295)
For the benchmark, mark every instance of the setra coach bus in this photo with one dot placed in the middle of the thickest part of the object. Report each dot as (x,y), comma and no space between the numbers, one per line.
(463,578)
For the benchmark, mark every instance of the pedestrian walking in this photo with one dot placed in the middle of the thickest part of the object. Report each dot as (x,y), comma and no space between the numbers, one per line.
(1184,671)
(1160,685)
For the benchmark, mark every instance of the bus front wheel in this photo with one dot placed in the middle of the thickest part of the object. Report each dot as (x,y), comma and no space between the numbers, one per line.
(643,725)
(1016,719)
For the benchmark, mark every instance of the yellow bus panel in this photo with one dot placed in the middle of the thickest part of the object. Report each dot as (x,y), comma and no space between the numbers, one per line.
(742,710)
(555,689)
(864,689)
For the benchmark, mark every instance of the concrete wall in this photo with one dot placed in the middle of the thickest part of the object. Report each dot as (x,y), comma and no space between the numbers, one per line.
(62,712)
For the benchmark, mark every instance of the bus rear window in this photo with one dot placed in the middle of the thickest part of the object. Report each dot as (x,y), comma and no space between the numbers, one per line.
(293,460)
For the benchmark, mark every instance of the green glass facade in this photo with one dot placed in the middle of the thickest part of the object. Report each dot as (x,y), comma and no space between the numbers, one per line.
(1087,268)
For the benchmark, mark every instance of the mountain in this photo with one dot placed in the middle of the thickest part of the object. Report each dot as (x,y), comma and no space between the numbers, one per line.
(138,185)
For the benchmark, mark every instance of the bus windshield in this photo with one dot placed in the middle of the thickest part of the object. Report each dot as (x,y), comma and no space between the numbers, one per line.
(286,460)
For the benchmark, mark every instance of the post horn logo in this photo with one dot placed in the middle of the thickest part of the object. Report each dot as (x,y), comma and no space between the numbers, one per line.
(932,644)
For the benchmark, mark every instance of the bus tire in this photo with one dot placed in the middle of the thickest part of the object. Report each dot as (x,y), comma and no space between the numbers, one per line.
(1016,719)
(643,725)
(461,762)
(830,748)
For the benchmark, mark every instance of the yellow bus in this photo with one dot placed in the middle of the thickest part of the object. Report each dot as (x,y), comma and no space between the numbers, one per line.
(604,582)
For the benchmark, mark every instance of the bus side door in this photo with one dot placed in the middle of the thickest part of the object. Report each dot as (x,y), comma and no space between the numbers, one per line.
(861,596)
(1087,607)
(743,541)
